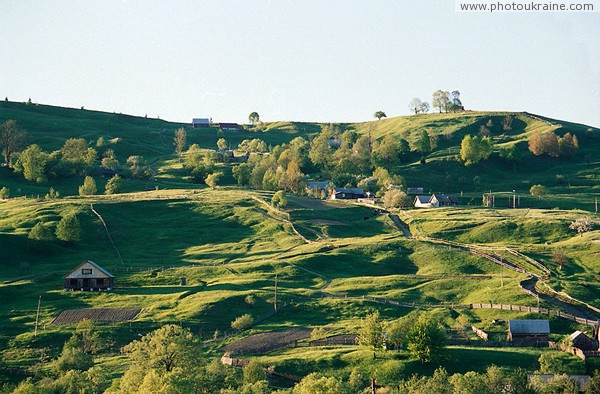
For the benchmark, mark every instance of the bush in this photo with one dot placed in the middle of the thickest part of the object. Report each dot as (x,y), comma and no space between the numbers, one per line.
(213,179)
(538,190)
(242,322)
(113,186)
(68,228)
(4,193)
(396,198)
(279,199)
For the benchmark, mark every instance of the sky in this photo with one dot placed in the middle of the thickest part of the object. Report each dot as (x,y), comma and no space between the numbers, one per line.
(308,60)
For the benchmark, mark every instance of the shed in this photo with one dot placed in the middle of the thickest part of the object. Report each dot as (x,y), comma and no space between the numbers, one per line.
(89,276)
(528,330)
(414,190)
(347,193)
(200,123)
(581,341)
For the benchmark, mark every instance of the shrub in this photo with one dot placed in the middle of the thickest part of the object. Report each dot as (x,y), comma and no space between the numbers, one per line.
(242,322)
(538,190)
(68,228)
(4,193)
(279,199)
(88,188)
(113,186)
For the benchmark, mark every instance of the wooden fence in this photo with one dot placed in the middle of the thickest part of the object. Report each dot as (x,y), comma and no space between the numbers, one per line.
(534,309)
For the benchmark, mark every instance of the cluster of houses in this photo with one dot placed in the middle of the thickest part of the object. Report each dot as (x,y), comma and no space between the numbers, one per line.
(200,123)
(327,190)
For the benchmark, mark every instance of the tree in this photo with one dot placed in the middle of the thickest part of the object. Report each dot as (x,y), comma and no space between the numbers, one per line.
(12,139)
(315,384)
(568,145)
(582,225)
(250,300)
(279,199)
(163,349)
(40,232)
(254,118)
(68,228)
(242,322)
(73,359)
(88,188)
(396,198)
(440,100)
(456,103)
(379,115)
(475,149)
(32,163)
(557,363)
(424,107)
(559,257)
(396,333)
(212,180)
(370,333)
(85,337)
(415,105)
(179,140)
(138,167)
(52,194)
(423,144)
(222,144)
(548,143)
(76,153)
(538,190)
(113,186)
(242,173)
(507,123)
(511,154)
(4,193)
(254,372)
(425,339)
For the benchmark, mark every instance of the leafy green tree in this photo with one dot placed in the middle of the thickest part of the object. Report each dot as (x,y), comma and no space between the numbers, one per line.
(254,372)
(88,188)
(593,386)
(199,166)
(320,151)
(242,173)
(379,115)
(138,167)
(52,194)
(396,198)
(32,161)
(114,184)
(4,193)
(76,153)
(423,143)
(441,101)
(85,337)
(475,149)
(370,333)
(212,180)
(222,144)
(456,103)
(109,160)
(507,123)
(41,232)
(163,349)
(250,300)
(68,228)
(425,339)
(511,154)
(538,190)
(390,150)
(179,140)
(315,384)
(469,383)
(73,358)
(12,139)
(279,199)
(242,322)
(396,332)
(254,118)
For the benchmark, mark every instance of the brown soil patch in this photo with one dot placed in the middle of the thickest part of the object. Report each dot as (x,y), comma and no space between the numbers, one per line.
(70,316)
(267,341)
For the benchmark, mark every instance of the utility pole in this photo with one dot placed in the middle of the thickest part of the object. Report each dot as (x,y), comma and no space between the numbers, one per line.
(275,300)
(596,204)
(37,316)
(514,199)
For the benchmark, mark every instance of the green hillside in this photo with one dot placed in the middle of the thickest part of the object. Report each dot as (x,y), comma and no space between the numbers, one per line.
(332,261)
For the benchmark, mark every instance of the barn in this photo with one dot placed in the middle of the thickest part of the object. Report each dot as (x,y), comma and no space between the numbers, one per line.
(200,123)
(347,193)
(530,331)
(89,276)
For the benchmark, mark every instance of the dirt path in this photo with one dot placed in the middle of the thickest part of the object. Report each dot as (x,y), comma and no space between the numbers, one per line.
(401,225)
(570,308)
(107,233)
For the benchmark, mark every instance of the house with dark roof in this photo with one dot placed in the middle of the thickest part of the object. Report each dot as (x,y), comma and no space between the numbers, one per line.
(229,126)
(89,276)
(534,331)
(200,123)
(347,193)
(315,188)
(435,201)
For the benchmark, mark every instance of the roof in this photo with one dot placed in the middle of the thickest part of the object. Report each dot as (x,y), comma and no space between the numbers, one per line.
(349,190)
(228,125)
(576,334)
(90,262)
(200,120)
(529,326)
(452,198)
(318,185)
(422,199)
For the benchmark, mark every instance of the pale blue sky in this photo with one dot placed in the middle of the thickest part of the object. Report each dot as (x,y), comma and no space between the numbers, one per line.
(295,60)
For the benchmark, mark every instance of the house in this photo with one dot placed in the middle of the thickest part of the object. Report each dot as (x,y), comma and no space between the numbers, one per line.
(89,276)
(200,123)
(414,190)
(347,193)
(534,331)
(435,201)
(582,341)
(232,158)
(422,202)
(229,126)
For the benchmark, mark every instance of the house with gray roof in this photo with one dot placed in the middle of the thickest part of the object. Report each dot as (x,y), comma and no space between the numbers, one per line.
(89,276)
(537,331)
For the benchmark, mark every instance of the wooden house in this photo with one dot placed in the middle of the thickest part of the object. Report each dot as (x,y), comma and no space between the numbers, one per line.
(347,193)
(422,202)
(89,276)
(581,341)
(200,123)
(435,201)
(531,331)
(229,126)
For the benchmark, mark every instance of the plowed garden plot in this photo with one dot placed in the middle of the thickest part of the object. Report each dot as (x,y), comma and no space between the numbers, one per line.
(96,314)
(342,339)
(265,342)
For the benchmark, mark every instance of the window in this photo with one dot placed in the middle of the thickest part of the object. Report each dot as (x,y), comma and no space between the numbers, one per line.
(86,271)
(73,282)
